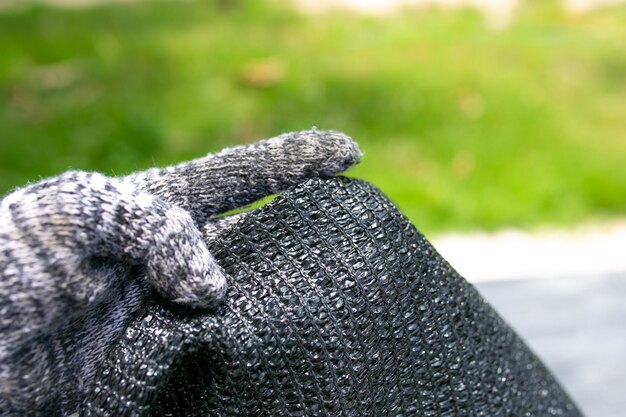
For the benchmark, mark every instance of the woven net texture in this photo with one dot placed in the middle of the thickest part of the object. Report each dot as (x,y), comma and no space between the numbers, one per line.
(337,306)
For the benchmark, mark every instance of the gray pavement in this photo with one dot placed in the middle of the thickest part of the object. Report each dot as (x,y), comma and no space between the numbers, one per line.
(577,325)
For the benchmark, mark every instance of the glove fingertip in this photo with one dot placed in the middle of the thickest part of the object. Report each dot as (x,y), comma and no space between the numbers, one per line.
(333,151)
(205,291)
(345,151)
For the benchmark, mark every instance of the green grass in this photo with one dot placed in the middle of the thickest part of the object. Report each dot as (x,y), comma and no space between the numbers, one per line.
(463,126)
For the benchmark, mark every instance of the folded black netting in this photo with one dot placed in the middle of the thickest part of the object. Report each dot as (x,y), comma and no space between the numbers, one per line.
(337,307)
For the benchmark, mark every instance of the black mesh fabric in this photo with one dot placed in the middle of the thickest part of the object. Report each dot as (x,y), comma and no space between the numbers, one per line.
(337,306)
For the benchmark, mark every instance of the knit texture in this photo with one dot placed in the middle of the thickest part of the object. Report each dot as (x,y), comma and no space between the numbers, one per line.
(336,306)
(79,252)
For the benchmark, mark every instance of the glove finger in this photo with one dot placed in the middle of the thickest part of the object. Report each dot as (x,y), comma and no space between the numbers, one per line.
(67,219)
(211,230)
(238,176)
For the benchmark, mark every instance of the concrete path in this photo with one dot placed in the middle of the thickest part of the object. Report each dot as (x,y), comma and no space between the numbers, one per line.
(498,13)
(565,293)
(491,7)
(590,250)
(578,327)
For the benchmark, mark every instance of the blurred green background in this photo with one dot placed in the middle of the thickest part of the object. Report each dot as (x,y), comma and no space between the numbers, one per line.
(463,125)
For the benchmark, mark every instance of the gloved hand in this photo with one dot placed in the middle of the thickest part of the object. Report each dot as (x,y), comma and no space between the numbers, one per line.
(55,234)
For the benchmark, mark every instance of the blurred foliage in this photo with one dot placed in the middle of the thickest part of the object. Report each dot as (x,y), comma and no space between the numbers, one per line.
(462,125)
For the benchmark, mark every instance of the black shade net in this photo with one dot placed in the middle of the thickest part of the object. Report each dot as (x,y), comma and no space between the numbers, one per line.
(337,306)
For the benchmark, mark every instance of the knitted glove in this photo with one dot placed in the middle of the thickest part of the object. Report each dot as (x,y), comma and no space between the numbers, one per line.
(68,243)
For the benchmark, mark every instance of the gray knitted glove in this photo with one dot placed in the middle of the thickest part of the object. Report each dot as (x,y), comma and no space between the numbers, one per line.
(66,242)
